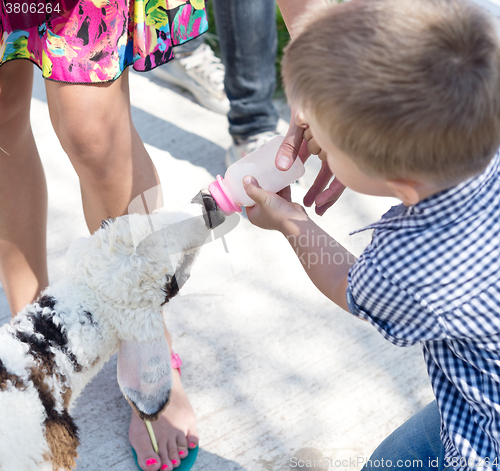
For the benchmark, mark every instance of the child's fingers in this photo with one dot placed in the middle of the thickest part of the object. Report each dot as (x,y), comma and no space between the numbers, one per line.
(320,210)
(329,197)
(308,134)
(320,183)
(286,193)
(304,152)
(254,190)
(312,145)
(290,147)
(331,194)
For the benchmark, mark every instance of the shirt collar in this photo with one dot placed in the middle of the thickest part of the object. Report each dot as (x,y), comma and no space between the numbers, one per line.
(443,207)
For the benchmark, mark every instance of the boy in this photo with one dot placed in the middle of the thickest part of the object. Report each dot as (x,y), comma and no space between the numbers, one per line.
(402,98)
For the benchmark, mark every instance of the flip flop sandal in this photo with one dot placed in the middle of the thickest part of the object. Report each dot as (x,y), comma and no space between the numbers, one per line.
(186,463)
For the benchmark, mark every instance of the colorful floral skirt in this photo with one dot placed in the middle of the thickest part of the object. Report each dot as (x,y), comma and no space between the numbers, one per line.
(91,41)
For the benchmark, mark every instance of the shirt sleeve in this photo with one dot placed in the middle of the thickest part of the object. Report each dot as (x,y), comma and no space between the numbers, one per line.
(396,313)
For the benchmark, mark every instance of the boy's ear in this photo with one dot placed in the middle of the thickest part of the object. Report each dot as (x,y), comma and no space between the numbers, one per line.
(405,190)
(300,119)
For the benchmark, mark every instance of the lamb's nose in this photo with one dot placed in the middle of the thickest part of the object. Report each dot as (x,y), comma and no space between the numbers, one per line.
(213,215)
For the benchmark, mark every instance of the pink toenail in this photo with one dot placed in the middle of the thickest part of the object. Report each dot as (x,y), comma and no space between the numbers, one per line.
(151,462)
(181,452)
(164,466)
(192,444)
(174,461)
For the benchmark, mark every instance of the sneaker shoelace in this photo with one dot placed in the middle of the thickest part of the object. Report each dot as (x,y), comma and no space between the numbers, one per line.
(254,142)
(243,147)
(206,65)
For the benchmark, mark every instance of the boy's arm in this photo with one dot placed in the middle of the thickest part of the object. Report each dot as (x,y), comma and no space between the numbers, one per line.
(325,261)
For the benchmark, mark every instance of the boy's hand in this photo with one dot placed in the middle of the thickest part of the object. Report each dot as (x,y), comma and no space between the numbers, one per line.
(271,210)
(300,143)
(317,194)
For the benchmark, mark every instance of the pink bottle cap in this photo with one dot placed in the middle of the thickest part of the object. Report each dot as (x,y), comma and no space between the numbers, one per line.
(222,198)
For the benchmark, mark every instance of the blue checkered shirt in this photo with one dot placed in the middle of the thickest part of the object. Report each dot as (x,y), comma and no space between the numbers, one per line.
(431,275)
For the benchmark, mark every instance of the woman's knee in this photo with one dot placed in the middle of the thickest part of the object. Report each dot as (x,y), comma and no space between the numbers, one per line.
(93,125)
(93,146)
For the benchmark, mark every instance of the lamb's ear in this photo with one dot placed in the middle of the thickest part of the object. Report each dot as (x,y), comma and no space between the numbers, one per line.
(168,235)
(145,376)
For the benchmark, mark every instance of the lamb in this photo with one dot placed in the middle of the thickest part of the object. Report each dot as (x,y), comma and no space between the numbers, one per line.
(111,298)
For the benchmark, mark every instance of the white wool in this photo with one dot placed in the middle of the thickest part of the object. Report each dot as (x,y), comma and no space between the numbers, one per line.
(125,266)
(22,443)
(13,354)
(112,293)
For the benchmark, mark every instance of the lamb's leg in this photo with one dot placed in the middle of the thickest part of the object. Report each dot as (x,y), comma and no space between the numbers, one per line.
(144,375)
(175,430)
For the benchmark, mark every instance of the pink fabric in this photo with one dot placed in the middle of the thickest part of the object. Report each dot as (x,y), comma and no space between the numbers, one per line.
(95,40)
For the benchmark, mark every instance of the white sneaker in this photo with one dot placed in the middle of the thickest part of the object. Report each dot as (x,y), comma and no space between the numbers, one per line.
(200,73)
(242,147)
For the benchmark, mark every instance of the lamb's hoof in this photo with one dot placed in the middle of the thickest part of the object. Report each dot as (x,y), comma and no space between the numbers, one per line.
(148,407)
(145,376)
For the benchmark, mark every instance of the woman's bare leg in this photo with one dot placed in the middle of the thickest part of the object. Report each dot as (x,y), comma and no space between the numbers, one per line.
(94,126)
(23,191)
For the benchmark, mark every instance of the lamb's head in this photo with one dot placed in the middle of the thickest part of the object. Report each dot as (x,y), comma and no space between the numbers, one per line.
(133,265)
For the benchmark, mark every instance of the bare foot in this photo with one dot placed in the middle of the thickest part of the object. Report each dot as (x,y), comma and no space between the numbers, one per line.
(175,432)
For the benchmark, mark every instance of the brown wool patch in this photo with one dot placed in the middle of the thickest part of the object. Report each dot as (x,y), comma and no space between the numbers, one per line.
(40,352)
(6,377)
(63,443)
(67,396)
(44,392)
(95,362)
(60,430)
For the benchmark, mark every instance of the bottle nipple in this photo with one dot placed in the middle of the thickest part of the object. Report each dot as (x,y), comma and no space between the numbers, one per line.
(222,197)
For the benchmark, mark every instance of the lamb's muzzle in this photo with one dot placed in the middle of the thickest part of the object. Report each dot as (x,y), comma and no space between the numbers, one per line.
(213,216)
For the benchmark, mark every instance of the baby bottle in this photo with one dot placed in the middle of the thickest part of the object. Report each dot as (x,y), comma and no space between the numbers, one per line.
(229,192)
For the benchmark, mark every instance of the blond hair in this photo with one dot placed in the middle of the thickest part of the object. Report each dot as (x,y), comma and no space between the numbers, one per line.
(404,87)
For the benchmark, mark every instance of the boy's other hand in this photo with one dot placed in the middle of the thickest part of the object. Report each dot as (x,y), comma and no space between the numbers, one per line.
(317,194)
(271,210)
(300,143)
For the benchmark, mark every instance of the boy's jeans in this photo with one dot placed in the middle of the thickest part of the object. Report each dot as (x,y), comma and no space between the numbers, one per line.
(248,44)
(415,445)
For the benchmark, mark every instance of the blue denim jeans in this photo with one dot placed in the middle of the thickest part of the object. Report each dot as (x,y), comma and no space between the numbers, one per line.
(416,445)
(248,44)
